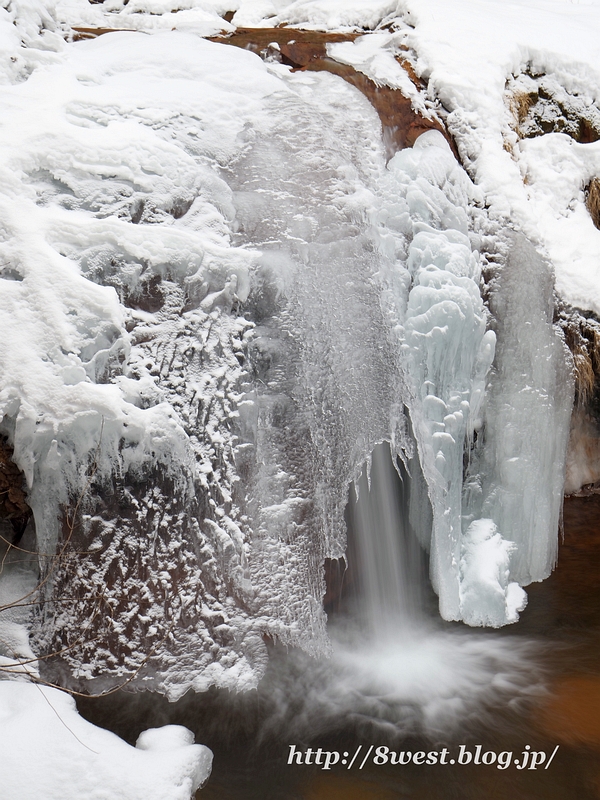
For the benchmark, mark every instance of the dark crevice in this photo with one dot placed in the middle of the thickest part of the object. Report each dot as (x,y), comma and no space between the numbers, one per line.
(13,497)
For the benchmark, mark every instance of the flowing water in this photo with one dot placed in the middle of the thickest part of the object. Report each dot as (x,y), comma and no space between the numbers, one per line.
(391,562)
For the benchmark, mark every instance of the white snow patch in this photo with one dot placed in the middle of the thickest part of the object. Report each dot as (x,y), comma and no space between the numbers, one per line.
(485,591)
(68,758)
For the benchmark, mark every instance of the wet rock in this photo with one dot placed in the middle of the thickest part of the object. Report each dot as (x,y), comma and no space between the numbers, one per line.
(13,498)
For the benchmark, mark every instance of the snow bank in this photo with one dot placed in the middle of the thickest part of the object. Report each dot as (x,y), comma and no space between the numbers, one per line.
(204,17)
(329,15)
(49,751)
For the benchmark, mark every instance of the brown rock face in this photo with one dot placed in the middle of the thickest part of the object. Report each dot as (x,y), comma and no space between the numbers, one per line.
(592,201)
(541,105)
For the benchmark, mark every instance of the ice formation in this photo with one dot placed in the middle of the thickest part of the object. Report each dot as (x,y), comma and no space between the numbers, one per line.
(225,296)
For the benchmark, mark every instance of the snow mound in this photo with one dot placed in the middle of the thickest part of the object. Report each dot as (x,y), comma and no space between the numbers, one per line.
(71,759)
(485,590)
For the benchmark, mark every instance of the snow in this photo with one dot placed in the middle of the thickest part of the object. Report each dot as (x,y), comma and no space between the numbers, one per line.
(203,17)
(68,758)
(486,594)
(376,57)
(17,589)
(328,15)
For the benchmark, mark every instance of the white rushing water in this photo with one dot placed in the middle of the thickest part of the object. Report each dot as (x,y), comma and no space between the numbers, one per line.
(388,559)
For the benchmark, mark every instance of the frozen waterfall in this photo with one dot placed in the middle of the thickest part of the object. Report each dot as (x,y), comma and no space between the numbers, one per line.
(224,313)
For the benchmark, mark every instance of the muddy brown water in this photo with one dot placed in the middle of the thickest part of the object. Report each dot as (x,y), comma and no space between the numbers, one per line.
(562,618)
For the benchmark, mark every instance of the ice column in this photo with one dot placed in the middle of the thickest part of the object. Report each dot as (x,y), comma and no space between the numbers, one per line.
(442,328)
(517,474)
(491,443)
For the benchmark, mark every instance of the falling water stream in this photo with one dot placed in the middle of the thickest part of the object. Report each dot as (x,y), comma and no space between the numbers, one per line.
(391,561)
